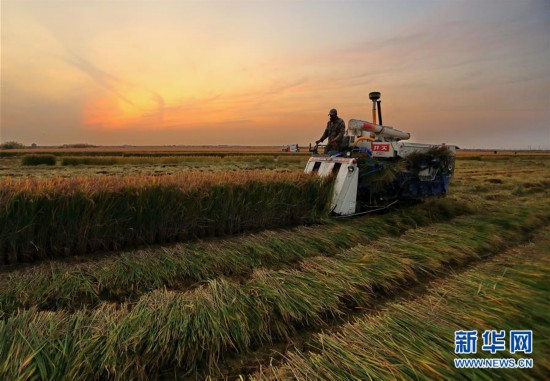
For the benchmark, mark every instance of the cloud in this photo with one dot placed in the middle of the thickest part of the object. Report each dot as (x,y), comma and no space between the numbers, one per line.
(442,69)
(100,77)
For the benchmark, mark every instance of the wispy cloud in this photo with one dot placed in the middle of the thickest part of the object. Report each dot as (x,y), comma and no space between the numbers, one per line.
(100,77)
(456,62)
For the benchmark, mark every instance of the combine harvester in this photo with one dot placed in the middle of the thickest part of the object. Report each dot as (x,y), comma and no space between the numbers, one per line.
(376,168)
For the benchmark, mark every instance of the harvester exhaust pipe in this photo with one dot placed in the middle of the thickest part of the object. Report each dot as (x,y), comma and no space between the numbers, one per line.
(374,97)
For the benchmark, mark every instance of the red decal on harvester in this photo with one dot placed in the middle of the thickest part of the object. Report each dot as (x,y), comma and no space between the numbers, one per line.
(368,126)
(381,147)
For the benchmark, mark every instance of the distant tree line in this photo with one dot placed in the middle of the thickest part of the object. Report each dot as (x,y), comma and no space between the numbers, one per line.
(78,145)
(11,145)
(17,145)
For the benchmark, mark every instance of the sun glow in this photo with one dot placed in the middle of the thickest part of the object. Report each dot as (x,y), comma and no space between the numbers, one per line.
(122,110)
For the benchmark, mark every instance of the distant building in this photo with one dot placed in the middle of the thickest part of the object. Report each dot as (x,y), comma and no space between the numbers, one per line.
(33,145)
(291,148)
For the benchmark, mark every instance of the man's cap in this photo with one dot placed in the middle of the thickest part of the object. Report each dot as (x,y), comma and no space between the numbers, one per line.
(333,112)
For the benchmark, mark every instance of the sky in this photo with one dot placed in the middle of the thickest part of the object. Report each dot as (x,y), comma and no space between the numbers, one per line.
(166,72)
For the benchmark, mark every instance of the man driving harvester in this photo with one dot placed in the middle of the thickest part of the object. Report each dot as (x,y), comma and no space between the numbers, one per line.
(334,132)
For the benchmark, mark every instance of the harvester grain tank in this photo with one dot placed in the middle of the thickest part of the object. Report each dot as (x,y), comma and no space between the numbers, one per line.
(377,167)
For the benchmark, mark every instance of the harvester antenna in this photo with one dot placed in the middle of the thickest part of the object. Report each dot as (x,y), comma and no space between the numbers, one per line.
(374,97)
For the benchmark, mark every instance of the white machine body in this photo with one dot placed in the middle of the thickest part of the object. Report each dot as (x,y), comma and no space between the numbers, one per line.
(384,141)
(346,172)
(400,149)
(367,129)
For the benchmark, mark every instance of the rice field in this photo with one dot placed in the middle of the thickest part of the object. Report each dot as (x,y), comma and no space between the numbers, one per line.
(256,282)
(65,217)
(101,163)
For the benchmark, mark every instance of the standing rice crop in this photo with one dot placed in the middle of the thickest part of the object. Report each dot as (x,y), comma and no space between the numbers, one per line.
(60,217)
(38,160)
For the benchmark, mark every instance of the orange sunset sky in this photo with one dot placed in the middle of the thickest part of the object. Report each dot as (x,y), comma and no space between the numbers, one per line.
(471,73)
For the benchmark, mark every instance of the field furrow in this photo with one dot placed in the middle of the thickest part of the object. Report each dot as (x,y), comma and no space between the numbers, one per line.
(414,339)
(191,331)
(126,276)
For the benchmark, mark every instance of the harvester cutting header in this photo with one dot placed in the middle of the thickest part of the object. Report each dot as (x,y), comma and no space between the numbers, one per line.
(375,168)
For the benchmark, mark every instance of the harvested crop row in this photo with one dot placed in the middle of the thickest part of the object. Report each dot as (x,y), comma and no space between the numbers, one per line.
(414,339)
(152,153)
(65,285)
(194,329)
(51,218)
(494,192)
(121,160)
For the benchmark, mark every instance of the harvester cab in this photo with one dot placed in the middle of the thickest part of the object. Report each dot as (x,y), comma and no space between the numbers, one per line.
(376,167)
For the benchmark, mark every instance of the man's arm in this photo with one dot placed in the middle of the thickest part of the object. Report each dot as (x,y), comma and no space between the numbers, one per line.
(325,134)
